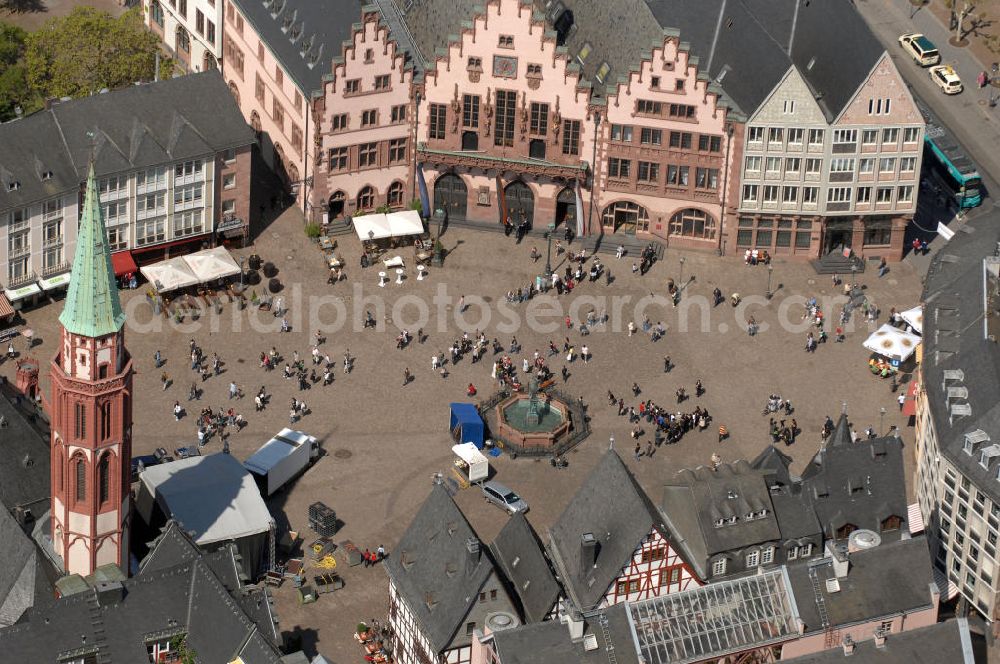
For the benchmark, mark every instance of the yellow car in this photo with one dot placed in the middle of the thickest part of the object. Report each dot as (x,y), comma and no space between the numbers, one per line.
(945,77)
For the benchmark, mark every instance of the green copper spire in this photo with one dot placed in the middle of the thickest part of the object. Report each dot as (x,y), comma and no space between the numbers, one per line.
(92,307)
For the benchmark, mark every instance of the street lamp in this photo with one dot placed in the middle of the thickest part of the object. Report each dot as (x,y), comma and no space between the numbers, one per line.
(682,272)
(854,276)
(770,271)
(611,442)
(242,260)
(881,421)
(548,250)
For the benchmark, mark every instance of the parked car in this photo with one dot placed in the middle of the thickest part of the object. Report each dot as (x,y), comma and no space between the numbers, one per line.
(946,78)
(920,48)
(186,451)
(502,496)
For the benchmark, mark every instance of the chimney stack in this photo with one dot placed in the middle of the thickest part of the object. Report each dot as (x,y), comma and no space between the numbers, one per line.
(472,546)
(848,645)
(588,551)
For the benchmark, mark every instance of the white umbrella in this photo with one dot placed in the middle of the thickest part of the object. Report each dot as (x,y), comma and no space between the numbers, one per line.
(891,342)
(914,318)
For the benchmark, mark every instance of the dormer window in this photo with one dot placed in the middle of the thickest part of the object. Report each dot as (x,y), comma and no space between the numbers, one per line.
(761,514)
(731,520)
(584,52)
(13,185)
(602,72)
(721,522)
(749,516)
(47,175)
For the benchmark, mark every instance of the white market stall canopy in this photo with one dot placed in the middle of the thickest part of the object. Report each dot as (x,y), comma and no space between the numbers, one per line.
(892,342)
(211,264)
(914,318)
(479,467)
(169,275)
(394,224)
(213,497)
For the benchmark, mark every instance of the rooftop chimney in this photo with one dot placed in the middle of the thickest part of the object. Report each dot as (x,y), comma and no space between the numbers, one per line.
(109,593)
(840,558)
(879,638)
(472,546)
(848,645)
(588,551)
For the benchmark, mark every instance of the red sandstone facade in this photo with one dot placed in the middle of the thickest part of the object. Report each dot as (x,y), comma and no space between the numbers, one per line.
(91,421)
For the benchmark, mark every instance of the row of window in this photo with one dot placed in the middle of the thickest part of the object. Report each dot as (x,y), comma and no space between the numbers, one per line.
(369,118)
(506,114)
(353,86)
(667,110)
(796,136)
(764,556)
(792,167)
(675,175)
(677,139)
(666,577)
(772,194)
(365,200)
(367,155)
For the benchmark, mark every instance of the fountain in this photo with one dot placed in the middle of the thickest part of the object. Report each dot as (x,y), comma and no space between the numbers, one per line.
(534,423)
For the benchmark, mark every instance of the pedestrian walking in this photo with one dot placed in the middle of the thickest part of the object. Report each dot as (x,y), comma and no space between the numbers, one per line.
(157,359)
(585,353)
(177,411)
(165,379)
(638,452)
(406,376)
(723,433)
(461,304)
(883,267)
(699,389)
(565,374)
(901,399)
(667,364)
(193,392)
(234,390)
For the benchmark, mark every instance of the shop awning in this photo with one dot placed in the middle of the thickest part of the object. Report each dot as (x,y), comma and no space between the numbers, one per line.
(5,308)
(892,342)
(394,224)
(910,405)
(13,295)
(123,263)
(915,518)
(58,281)
(914,318)
(211,264)
(229,224)
(169,275)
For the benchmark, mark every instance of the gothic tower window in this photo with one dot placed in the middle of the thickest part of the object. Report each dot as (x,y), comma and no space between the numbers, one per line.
(104,479)
(81,479)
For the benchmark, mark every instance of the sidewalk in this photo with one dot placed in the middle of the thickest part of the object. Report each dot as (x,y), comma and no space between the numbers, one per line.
(968,115)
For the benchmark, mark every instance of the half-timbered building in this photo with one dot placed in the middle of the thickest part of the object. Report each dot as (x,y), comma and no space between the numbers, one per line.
(612,545)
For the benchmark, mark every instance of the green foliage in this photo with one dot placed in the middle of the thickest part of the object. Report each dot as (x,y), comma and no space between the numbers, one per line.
(88,50)
(415,204)
(179,645)
(383,209)
(313,231)
(14,90)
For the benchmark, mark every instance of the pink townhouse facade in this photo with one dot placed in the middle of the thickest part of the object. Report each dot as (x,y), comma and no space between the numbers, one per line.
(275,54)
(505,130)
(663,153)
(364,127)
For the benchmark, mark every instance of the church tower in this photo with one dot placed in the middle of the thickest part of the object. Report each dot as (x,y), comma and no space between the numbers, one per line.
(91,409)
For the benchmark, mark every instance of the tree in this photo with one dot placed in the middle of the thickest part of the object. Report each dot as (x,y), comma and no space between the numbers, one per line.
(959,10)
(88,50)
(14,90)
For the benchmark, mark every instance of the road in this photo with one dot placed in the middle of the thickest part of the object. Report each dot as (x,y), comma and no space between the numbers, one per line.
(968,115)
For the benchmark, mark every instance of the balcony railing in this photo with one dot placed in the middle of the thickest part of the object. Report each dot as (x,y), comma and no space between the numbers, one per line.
(23,280)
(53,270)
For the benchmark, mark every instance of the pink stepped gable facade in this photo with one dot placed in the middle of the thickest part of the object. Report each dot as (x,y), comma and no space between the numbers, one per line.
(505,129)
(364,127)
(662,156)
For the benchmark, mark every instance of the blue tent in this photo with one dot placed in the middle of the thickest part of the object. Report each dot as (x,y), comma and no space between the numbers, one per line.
(466,418)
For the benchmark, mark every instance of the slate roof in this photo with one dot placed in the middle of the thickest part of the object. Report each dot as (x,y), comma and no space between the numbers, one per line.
(24,581)
(696,499)
(858,483)
(883,581)
(432,23)
(137,127)
(954,338)
(751,43)
(433,570)
(612,506)
(92,307)
(159,602)
(303,35)
(520,556)
(774,464)
(24,465)
(942,642)
(549,642)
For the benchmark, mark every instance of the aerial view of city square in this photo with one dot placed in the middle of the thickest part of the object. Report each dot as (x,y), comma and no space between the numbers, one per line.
(499,331)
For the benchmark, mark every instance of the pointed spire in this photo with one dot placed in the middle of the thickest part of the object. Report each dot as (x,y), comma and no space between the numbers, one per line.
(92,307)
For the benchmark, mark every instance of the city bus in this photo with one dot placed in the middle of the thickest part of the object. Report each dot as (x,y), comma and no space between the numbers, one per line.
(948,164)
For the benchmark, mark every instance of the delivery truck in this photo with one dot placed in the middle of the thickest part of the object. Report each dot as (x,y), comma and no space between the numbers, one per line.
(281,459)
